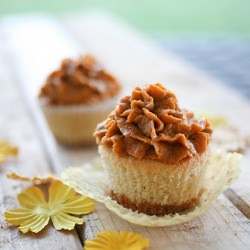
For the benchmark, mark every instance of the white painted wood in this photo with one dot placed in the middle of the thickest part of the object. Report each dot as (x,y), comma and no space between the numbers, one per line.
(135,61)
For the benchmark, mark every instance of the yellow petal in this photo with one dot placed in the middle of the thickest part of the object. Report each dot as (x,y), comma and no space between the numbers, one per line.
(35,216)
(63,198)
(104,241)
(78,205)
(35,179)
(63,201)
(59,193)
(65,221)
(109,240)
(7,150)
(27,219)
(216,121)
(31,198)
(18,215)
(34,224)
(134,241)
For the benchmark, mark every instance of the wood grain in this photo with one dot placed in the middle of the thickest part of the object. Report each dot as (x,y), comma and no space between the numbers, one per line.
(239,193)
(221,227)
(135,61)
(16,126)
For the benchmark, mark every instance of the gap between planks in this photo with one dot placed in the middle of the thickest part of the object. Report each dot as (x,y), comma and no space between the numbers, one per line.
(238,202)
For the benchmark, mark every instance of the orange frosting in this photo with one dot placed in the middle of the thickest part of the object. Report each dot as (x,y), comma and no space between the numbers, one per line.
(82,81)
(149,124)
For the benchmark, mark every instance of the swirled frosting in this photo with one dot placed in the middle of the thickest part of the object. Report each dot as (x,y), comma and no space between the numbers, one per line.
(149,124)
(81,81)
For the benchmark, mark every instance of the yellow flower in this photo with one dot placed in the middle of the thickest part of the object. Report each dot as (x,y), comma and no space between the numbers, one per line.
(37,212)
(109,240)
(6,150)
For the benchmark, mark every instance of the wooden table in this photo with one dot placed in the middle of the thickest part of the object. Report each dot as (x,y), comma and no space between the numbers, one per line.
(30,47)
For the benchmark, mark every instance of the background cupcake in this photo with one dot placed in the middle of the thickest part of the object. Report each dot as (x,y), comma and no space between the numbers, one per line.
(76,97)
(154,152)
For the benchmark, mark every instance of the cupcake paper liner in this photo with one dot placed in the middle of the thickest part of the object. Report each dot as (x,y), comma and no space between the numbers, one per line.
(90,180)
(153,182)
(74,125)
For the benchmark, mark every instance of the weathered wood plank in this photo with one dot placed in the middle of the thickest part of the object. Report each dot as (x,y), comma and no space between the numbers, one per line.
(17,127)
(223,226)
(240,194)
(32,60)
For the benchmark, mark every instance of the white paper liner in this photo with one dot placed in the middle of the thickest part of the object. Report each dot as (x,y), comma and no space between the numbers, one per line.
(74,125)
(90,180)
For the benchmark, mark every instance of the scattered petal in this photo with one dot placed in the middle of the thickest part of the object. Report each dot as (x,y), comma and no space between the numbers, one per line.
(7,150)
(109,240)
(226,134)
(65,221)
(216,121)
(31,198)
(63,203)
(37,180)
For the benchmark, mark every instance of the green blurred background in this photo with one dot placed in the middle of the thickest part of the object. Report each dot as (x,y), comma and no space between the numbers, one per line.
(212,35)
(162,17)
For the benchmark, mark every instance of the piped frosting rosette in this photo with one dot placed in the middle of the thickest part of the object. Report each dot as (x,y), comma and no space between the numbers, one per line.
(149,124)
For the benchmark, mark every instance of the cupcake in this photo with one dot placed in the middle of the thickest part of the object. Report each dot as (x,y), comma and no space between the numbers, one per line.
(76,97)
(154,153)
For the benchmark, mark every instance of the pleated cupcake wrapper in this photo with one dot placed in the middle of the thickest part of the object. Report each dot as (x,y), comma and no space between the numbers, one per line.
(90,180)
(153,182)
(75,125)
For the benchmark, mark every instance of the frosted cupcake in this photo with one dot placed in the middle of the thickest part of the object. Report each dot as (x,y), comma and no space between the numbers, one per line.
(76,97)
(154,152)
